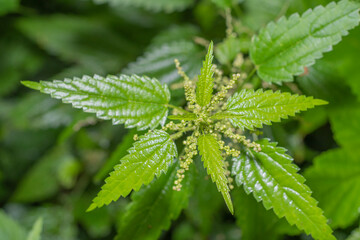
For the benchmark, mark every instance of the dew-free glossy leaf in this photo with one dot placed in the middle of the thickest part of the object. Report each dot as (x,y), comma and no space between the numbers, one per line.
(152,5)
(154,207)
(249,108)
(284,48)
(136,101)
(205,84)
(149,157)
(210,152)
(273,179)
(335,180)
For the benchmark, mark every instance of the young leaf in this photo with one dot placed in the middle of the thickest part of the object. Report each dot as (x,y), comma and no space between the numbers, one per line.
(154,207)
(249,109)
(150,156)
(273,179)
(335,180)
(167,6)
(211,156)
(205,84)
(284,48)
(136,101)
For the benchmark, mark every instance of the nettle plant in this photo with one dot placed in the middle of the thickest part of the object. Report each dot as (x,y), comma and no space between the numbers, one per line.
(218,123)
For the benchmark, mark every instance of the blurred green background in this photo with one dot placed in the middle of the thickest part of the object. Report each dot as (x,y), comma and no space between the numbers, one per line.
(53,158)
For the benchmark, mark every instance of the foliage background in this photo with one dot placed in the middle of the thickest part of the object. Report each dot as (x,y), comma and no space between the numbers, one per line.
(53,158)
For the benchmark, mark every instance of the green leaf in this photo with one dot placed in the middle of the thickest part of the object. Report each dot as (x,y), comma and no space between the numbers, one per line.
(87,41)
(8,6)
(323,81)
(154,207)
(260,12)
(174,33)
(150,156)
(210,152)
(58,221)
(35,233)
(37,111)
(226,3)
(255,221)
(345,125)
(31,188)
(9,229)
(158,62)
(136,101)
(273,179)
(18,60)
(118,153)
(355,235)
(167,6)
(227,50)
(204,216)
(205,84)
(284,48)
(335,180)
(249,109)
(186,117)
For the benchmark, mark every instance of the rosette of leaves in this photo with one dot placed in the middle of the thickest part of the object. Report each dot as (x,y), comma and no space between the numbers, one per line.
(213,124)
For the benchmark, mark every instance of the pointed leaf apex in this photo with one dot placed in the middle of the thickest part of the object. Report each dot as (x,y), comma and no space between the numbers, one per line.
(230,207)
(91,207)
(211,48)
(320,102)
(31,84)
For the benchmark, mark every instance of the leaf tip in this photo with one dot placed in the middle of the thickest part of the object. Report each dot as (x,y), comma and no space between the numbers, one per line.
(31,84)
(320,102)
(231,209)
(211,47)
(91,207)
